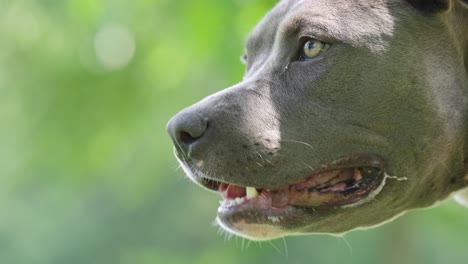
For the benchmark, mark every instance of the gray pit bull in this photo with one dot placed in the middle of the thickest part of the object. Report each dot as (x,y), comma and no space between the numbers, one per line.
(350,113)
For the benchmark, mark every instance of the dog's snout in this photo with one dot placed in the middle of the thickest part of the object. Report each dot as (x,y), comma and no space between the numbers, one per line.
(186,129)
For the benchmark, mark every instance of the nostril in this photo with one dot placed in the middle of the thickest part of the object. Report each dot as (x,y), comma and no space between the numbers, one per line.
(187,128)
(186,138)
(190,134)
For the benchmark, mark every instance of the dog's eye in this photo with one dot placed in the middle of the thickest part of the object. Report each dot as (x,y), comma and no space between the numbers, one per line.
(312,48)
(243,59)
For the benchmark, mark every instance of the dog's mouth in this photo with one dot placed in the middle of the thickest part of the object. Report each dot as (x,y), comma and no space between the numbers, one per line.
(328,188)
(263,213)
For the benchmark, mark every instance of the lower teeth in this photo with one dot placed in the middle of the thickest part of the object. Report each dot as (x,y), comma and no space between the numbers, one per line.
(232,202)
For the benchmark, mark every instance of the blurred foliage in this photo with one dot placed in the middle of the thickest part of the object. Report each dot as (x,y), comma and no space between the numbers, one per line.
(86,168)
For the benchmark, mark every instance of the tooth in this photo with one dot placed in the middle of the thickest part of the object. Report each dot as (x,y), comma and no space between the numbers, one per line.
(357,175)
(251,192)
(239,200)
(228,203)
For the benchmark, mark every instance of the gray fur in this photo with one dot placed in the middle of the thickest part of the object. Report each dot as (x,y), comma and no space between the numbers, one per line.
(393,84)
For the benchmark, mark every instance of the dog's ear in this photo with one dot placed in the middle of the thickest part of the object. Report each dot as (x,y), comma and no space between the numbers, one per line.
(431,6)
(434,6)
(464,3)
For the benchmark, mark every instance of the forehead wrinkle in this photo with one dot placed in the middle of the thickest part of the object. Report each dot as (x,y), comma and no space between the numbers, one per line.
(302,26)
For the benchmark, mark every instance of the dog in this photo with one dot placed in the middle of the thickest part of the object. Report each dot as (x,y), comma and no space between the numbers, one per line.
(350,113)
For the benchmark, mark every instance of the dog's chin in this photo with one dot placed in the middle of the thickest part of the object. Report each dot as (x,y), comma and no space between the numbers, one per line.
(260,213)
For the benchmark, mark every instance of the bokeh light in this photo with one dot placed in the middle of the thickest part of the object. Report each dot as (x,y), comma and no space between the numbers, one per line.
(114,46)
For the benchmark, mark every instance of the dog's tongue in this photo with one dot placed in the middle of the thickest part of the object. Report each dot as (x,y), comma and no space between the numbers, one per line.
(230,191)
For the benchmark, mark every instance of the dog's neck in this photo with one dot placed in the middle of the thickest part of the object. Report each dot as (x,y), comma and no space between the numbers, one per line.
(457,21)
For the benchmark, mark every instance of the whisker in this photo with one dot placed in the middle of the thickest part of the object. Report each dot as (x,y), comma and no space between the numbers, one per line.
(258,154)
(285,248)
(310,167)
(343,238)
(276,248)
(174,150)
(299,142)
(445,165)
(248,243)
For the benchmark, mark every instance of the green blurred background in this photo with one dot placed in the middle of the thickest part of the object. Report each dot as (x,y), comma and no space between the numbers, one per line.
(87,173)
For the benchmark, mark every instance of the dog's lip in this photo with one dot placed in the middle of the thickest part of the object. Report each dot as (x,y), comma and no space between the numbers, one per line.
(354,161)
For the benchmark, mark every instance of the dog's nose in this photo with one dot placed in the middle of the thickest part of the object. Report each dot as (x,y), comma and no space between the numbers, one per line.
(186,129)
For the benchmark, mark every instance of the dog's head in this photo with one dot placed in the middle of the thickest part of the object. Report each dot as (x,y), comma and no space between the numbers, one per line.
(349,113)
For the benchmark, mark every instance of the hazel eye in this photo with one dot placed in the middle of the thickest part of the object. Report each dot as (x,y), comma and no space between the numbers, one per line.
(313,48)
